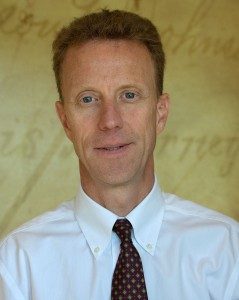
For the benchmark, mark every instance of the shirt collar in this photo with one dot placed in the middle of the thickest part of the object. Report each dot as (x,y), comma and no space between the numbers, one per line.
(96,222)
(146,219)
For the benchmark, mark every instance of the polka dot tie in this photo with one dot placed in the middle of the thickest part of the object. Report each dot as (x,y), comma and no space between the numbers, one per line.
(128,279)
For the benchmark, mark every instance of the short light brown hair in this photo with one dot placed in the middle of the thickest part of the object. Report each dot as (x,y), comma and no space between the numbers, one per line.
(109,25)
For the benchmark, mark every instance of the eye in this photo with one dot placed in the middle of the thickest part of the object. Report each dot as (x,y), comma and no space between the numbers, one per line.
(129,95)
(87,99)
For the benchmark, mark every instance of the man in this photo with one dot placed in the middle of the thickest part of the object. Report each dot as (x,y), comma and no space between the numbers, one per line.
(121,237)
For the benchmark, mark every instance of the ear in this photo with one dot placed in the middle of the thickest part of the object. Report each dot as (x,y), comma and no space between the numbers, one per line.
(61,112)
(162,112)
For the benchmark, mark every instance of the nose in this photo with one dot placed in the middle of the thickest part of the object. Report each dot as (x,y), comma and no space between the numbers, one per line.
(110,117)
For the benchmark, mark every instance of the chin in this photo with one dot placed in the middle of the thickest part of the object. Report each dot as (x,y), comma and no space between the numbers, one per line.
(116,177)
(114,173)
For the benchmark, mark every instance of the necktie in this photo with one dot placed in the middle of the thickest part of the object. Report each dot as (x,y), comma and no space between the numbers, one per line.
(128,279)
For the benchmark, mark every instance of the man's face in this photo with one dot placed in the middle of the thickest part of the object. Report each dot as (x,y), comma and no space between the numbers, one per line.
(111,112)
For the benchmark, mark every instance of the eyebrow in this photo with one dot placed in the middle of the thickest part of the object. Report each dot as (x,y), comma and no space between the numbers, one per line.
(128,86)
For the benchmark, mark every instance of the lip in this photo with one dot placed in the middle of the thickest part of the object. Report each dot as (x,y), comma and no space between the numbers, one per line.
(113,149)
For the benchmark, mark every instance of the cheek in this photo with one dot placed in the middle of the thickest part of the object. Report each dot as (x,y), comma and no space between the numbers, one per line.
(144,123)
(79,128)
(148,119)
(150,127)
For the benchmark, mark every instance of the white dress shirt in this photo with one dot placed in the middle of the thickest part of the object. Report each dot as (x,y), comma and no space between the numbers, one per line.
(188,252)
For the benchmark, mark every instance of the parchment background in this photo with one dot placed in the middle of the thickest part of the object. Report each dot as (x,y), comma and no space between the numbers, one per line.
(196,157)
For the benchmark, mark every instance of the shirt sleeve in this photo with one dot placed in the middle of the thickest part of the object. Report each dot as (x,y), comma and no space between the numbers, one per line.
(235,282)
(8,288)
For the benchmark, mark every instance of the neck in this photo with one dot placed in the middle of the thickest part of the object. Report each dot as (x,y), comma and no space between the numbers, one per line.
(119,199)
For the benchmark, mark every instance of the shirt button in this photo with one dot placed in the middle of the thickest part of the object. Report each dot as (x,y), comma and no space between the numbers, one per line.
(96,250)
(149,246)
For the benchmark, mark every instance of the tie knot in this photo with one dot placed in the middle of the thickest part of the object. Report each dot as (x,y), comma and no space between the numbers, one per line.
(122,228)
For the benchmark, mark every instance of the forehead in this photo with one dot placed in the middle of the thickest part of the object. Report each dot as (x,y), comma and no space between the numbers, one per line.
(101,48)
(108,60)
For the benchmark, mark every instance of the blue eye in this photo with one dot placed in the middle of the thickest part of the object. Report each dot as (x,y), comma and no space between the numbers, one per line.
(87,99)
(129,95)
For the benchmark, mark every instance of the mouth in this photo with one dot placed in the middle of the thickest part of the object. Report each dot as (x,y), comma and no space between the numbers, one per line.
(113,148)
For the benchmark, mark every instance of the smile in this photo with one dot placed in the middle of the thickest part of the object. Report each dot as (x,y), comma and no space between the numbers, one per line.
(113,149)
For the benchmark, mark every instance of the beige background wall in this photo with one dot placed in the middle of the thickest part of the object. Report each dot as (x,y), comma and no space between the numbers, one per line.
(196,157)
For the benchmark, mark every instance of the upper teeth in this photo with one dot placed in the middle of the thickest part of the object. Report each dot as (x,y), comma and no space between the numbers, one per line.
(112,148)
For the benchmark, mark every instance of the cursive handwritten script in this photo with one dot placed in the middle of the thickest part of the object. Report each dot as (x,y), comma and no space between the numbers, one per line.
(179,148)
(205,146)
(191,39)
(21,22)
